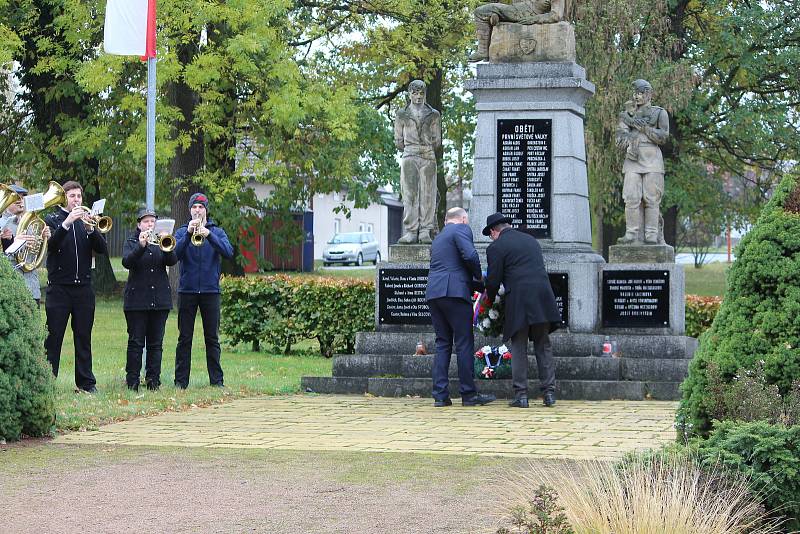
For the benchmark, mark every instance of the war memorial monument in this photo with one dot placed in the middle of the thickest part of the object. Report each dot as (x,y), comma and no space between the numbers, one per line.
(530,164)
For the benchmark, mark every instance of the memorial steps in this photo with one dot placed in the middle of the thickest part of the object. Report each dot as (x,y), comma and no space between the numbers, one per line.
(649,367)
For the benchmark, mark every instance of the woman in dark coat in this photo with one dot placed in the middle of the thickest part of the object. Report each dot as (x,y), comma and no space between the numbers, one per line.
(148,300)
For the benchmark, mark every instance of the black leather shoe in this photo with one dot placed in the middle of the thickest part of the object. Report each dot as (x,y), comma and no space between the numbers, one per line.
(549,399)
(442,403)
(91,391)
(478,400)
(521,402)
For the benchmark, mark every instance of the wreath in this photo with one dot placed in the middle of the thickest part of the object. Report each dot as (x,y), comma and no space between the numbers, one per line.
(488,316)
(493,362)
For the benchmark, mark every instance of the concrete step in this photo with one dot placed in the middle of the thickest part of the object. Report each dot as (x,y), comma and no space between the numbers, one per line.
(565,389)
(565,344)
(567,368)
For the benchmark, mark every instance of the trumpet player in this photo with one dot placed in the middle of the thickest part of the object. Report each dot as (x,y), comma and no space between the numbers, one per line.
(69,286)
(201,264)
(147,301)
(8,233)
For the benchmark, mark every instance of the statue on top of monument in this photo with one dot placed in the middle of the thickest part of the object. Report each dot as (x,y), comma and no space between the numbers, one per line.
(641,130)
(417,134)
(525,12)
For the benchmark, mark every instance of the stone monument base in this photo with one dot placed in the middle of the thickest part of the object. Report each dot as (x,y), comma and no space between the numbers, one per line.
(522,43)
(409,253)
(641,253)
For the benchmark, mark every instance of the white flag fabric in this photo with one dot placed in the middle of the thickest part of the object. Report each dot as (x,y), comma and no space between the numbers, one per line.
(125,31)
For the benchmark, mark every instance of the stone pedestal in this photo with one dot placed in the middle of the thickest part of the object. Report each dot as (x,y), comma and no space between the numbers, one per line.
(519,43)
(640,253)
(409,254)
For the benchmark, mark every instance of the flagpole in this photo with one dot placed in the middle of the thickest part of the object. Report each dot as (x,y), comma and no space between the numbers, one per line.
(150,182)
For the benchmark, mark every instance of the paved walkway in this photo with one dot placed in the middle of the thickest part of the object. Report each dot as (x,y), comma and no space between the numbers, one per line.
(571,429)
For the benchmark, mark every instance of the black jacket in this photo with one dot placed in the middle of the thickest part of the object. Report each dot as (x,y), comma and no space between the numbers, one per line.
(69,252)
(515,260)
(148,283)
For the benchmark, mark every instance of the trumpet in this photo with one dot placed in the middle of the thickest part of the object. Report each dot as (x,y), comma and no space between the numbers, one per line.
(103,223)
(197,239)
(165,242)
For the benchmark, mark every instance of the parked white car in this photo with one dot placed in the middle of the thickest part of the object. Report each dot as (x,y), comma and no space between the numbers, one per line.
(352,247)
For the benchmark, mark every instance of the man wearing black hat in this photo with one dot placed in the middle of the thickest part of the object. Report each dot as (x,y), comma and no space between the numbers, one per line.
(454,265)
(8,232)
(515,260)
(147,302)
(201,264)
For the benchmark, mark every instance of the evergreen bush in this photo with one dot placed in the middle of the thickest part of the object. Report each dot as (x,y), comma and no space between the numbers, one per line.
(759,319)
(281,310)
(27,401)
(768,454)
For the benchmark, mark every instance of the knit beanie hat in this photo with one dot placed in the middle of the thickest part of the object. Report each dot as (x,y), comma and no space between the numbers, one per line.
(198,198)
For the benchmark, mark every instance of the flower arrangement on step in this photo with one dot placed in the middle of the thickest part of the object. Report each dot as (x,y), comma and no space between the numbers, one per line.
(493,362)
(488,316)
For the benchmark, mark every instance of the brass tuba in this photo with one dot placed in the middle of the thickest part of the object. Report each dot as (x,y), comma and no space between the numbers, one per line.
(7,197)
(103,223)
(30,257)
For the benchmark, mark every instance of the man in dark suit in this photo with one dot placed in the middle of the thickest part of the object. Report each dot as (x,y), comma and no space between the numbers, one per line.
(515,260)
(454,266)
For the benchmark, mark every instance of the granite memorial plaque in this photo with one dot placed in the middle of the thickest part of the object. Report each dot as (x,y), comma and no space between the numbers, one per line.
(524,175)
(560,284)
(636,299)
(401,296)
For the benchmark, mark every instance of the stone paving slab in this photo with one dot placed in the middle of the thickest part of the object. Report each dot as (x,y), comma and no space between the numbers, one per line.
(571,429)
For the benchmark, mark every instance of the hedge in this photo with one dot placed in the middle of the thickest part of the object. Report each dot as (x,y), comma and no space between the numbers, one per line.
(280,310)
(700,313)
(27,401)
(759,319)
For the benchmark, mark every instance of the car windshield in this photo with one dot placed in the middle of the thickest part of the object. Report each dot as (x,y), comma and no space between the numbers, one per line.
(345,238)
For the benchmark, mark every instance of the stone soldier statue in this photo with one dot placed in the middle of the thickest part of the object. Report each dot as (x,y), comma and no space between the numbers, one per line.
(641,130)
(520,11)
(418,133)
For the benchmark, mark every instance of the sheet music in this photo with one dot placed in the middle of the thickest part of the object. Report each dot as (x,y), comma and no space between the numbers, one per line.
(98,206)
(33,202)
(15,247)
(164,225)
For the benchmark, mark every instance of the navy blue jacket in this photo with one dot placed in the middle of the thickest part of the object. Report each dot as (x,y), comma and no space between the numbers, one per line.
(201,266)
(454,264)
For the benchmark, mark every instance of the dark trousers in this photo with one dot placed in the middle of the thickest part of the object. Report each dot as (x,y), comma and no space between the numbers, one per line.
(145,329)
(544,359)
(188,304)
(452,321)
(78,302)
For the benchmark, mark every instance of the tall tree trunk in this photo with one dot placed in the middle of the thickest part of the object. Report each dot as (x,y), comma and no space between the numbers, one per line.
(186,163)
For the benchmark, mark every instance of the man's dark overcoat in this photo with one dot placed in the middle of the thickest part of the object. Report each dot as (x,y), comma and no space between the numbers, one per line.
(515,260)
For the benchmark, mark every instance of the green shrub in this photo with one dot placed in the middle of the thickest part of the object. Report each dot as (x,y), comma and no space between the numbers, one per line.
(759,318)
(769,455)
(700,313)
(281,310)
(27,404)
(259,309)
(332,310)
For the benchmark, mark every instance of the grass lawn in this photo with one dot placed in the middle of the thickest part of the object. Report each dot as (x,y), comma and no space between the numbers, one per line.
(707,281)
(246,373)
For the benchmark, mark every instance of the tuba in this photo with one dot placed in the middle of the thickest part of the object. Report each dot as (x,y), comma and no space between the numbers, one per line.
(103,223)
(30,257)
(165,242)
(7,197)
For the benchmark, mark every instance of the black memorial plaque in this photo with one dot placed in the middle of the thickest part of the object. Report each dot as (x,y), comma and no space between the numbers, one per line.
(560,284)
(524,176)
(637,299)
(401,296)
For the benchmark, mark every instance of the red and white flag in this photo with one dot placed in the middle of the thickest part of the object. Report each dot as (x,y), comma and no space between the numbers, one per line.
(130,28)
